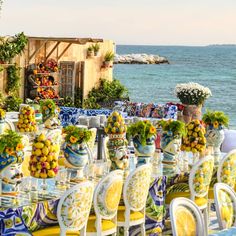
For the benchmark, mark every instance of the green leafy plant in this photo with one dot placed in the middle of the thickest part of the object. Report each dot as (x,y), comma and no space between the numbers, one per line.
(13,79)
(12,46)
(96,47)
(10,142)
(78,97)
(142,129)
(77,135)
(90,49)
(48,107)
(176,127)
(106,92)
(12,103)
(216,119)
(109,56)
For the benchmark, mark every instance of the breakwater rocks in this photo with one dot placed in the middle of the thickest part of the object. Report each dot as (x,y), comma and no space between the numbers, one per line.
(139,59)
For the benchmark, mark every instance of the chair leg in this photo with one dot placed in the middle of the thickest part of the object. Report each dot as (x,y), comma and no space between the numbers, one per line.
(205,216)
(143,232)
(126,231)
(62,232)
(82,232)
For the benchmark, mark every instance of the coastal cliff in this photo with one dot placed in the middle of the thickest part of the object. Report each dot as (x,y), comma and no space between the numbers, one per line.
(139,59)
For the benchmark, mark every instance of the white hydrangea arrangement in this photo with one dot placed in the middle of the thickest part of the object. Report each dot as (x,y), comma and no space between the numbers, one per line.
(192,93)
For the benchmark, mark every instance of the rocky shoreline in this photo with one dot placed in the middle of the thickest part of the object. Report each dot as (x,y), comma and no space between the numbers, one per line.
(139,59)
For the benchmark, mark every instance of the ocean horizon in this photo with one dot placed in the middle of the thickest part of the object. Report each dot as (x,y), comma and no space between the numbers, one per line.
(213,66)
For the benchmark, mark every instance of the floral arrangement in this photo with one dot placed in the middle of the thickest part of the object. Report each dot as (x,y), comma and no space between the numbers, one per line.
(76,135)
(174,127)
(48,108)
(143,129)
(194,141)
(215,119)
(11,144)
(2,114)
(192,93)
(115,124)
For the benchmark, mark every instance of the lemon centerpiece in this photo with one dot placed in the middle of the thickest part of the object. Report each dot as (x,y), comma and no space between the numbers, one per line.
(117,144)
(26,120)
(194,141)
(44,159)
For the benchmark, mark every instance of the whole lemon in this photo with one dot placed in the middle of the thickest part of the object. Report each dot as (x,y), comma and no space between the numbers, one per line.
(38,152)
(45,151)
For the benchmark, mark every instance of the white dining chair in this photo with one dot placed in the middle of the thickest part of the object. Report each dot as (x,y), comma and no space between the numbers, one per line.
(199,182)
(106,201)
(225,201)
(186,218)
(135,194)
(72,212)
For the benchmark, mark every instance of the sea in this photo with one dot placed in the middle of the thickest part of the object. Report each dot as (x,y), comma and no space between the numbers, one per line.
(211,66)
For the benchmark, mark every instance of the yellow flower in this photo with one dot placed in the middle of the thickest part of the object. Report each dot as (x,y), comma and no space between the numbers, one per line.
(152,130)
(216,124)
(19,147)
(50,105)
(10,151)
(73,139)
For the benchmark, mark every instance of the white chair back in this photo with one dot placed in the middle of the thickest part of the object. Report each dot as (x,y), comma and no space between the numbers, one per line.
(107,195)
(136,188)
(186,218)
(200,177)
(74,208)
(106,199)
(225,200)
(226,172)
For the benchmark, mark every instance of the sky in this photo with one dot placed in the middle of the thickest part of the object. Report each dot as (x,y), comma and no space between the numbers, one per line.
(141,22)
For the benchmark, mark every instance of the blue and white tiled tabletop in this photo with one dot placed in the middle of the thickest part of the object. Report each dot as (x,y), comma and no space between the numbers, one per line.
(226,232)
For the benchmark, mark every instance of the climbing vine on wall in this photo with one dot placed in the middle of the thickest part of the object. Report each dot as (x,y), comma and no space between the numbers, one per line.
(13,79)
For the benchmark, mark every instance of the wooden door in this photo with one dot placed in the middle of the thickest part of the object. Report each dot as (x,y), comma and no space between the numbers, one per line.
(67,79)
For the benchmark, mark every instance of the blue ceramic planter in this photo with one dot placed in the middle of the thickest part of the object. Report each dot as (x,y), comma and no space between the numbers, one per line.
(144,152)
(77,158)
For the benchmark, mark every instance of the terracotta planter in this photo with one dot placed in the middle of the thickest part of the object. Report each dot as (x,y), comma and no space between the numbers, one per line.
(192,112)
